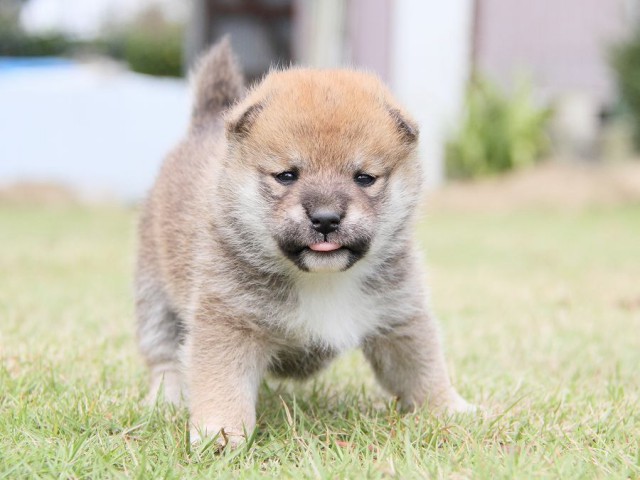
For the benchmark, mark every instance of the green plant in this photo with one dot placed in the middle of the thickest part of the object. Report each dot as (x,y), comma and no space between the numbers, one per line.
(625,60)
(499,132)
(150,44)
(154,54)
(15,42)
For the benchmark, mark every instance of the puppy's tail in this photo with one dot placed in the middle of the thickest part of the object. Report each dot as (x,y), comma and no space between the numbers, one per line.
(218,83)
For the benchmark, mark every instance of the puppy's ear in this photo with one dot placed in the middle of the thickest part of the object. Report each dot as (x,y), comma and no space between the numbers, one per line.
(240,126)
(407,128)
(218,82)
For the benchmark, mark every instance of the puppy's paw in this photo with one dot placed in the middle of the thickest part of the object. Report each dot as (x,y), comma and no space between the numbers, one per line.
(166,386)
(450,403)
(456,405)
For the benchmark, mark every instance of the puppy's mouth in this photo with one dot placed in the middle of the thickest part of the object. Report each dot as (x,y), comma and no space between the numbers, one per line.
(325,248)
(325,255)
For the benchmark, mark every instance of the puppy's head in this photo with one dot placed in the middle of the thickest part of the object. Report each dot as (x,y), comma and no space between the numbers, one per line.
(321,169)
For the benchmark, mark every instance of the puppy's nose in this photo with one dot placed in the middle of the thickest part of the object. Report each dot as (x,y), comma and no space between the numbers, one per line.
(325,221)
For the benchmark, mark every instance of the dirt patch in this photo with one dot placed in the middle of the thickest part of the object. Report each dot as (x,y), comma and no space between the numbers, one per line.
(554,185)
(37,193)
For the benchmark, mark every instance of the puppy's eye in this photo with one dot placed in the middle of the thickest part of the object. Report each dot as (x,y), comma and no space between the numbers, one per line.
(287,178)
(364,180)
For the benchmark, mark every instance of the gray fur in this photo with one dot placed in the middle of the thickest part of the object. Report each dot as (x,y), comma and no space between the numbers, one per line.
(218,83)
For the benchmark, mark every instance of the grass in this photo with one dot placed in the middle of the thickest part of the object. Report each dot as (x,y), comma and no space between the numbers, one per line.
(540,311)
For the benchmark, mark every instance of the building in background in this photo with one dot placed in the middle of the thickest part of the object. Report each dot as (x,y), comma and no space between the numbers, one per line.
(561,44)
(563,47)
(261,31)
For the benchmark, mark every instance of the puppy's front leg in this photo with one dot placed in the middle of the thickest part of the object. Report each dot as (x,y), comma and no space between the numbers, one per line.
(409,363)
(225,364)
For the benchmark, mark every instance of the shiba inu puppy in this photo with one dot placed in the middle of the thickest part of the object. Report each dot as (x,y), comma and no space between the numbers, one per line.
(278,235)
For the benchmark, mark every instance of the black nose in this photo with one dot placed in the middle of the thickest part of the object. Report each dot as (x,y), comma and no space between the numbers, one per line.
(325,221)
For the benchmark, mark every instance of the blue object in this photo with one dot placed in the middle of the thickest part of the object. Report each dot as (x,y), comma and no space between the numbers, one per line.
(8,64)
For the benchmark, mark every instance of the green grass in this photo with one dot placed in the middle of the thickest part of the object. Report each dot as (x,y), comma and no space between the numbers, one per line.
(541,316)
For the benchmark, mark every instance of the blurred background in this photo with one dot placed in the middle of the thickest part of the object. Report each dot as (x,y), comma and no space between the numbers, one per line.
(94,93)
(530,129)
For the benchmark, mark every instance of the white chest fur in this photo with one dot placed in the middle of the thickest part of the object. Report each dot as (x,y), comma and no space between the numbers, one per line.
(334,309)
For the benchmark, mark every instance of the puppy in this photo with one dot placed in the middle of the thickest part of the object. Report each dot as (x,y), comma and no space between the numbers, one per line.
(278,234)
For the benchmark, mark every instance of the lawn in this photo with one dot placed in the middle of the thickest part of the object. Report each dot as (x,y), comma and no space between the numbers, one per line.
(540,310)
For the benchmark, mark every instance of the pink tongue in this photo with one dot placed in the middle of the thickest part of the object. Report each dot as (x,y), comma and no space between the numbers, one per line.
(324,247)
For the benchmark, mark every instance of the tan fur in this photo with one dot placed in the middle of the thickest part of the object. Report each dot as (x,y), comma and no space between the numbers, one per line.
(227,288)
